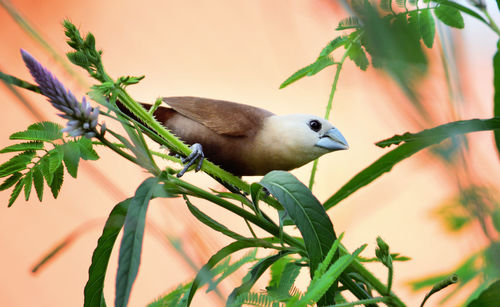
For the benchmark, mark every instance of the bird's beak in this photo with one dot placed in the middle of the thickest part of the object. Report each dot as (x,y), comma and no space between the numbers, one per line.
(333,140)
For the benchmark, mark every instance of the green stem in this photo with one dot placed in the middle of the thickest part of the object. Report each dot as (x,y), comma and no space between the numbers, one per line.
(174,143)
(357,267)
(365,302)
(491,22)
(389,279)
(260,222)
(328,110)
(115,148)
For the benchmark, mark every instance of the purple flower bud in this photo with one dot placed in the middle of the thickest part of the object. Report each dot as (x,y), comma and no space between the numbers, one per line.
(82,116)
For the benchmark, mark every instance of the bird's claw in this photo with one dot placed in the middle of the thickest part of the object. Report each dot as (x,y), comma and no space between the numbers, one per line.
(196,154)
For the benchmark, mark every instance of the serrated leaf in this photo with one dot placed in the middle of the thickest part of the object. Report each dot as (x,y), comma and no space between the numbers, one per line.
(171,299)
(43,131)
(71,157)
(23,147)
(93,293)
(10,181)
(45,168)
(131,244)
(15,193)
(57,181)
(281,289)
(28,181)
(204,273)
(249,257)
(349,23)
(55,159)
(16,163)
(358,55)
(254,274)
(309,216)
(317,289)
(449,15)
(38,182)
(332,45)
(427,27)
(309,70)
(86,150)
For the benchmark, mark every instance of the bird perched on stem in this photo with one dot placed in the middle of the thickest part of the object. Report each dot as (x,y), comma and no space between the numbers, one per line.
(246,140)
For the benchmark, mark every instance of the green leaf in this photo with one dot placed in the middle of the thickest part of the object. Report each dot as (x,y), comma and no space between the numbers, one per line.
(43,131)
(16,163)
(233,267)
(86,150)
(317,288)
(358,55)
(254,274)
(38,181)
(23,147)
(464,9)
(427,27)
(204,273)
(55,159)
(71,157)
(309,216)
(414,143)
(57,181)
(496,97)
(337,42)
(489,297)
(277,270)
(93,293)
(205,219)
(28,181)
(449,15)
(131,244)
(439,133)
(309,70)
(15,192)
(281,289)
(171,299)
(10,181)
(45,168)
(349,23)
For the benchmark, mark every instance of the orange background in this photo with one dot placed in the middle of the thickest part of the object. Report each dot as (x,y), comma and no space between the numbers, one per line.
(239,51)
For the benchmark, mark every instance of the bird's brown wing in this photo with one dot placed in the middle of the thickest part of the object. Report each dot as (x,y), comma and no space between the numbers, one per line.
(222,117)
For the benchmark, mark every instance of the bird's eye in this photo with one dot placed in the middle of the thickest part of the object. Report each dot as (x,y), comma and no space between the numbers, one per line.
(315,125)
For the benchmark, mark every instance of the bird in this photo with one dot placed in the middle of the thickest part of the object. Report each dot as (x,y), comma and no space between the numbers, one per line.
(245,140)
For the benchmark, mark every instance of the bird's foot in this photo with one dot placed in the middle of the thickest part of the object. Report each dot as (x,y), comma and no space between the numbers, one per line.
(195,155)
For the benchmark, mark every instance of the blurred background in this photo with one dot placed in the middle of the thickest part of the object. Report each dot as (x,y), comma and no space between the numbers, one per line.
(241,51)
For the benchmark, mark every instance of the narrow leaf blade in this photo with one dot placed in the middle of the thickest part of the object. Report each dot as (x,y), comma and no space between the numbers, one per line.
(131,244)
(93,293)
(15,193)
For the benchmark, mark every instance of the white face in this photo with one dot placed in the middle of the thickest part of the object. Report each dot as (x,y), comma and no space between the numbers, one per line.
(296,136)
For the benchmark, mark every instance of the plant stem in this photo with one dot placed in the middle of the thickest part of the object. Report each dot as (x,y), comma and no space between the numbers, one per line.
(261,222)
(328,110)
(357,267)
(365,302)
(115,148)
(491,22)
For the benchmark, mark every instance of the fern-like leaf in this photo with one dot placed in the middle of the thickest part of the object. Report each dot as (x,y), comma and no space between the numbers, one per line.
(16,192)
(38,181)
(231,268)
(349,23)
(16,163)
(23,147)
(28,182)
(57,181)
(254,299)
(358,55)
(13,179)
(337,42)
(43,131)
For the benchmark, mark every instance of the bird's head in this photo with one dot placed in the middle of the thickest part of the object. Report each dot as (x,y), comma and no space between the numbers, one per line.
(303,137)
